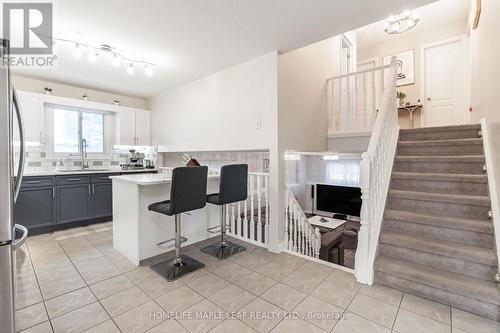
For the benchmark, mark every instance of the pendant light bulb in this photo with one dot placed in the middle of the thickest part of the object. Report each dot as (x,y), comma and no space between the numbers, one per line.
(130,69)
(116,60)
(148,70)
(77,52)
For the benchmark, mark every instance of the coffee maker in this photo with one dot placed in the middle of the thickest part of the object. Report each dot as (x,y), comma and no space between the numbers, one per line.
(135,160)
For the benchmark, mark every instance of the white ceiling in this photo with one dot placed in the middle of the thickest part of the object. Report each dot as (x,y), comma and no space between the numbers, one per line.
(189,39)
(433,15)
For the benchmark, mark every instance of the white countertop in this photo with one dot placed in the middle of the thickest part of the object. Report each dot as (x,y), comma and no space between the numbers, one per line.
(82,172)
(150,179)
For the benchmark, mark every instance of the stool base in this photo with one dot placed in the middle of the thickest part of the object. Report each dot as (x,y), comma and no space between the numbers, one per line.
(222,252)
(172,271)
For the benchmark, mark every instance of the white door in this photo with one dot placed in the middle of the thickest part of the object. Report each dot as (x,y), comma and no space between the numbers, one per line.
(143,127)
(444,82)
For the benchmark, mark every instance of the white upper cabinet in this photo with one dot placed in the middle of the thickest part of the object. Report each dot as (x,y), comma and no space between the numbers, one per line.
(125,127)
(134,127)
(142,127)
(33,114)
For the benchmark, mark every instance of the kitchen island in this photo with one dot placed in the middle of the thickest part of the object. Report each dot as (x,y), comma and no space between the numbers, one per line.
(137,231)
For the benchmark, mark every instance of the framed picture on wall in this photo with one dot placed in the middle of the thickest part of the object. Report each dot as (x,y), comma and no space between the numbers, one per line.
(406,67)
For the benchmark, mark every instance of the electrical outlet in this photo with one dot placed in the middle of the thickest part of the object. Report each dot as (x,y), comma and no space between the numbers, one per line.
(258,125)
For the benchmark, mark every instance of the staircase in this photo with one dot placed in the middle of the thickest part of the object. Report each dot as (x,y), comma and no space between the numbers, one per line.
(437,239)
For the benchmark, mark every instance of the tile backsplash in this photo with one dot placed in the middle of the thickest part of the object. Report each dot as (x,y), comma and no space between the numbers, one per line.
(258,161)
(38,161)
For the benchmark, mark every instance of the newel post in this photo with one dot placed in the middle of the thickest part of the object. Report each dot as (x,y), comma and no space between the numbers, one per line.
(363,270)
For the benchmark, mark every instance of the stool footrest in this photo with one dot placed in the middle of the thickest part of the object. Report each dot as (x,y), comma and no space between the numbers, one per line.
(183,240)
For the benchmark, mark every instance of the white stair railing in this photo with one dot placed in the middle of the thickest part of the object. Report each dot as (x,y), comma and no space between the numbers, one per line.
(491,171)
(353,100)
(300,235)
(375,174)
(249,219)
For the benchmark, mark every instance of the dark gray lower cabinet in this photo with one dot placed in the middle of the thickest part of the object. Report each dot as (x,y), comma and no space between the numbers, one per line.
(52,201)
(73,203)
(102,200)
(35,207)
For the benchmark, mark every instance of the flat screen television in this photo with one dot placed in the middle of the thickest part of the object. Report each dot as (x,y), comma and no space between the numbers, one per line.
(338,199)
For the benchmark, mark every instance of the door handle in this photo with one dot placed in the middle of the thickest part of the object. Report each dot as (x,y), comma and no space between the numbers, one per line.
(73,179)
(20,168)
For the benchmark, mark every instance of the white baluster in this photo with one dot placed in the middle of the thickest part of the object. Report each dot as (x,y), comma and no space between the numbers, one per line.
(228,207)
(317,246)
(238,220)
(259,210)
(266,185)
(232,225)
(245,219)
(252,217)
(309,245)
(299,230)
(295,227)
(288,221)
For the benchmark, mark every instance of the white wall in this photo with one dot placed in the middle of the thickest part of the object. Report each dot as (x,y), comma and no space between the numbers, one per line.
(411,40)
(64,90)
(485,46)
(302,110)
(220,111)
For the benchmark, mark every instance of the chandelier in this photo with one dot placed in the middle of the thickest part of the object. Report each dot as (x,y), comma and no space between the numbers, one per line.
(403,22)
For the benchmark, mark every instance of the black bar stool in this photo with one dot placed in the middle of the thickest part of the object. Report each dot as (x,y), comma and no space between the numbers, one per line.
(188,192)
(232,188)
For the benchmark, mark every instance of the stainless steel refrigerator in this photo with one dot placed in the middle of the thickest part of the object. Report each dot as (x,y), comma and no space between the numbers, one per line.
(12,235)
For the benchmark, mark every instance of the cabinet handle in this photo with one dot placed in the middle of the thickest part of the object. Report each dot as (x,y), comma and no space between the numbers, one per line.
(93,189)
(33,182)
(53,193)
(73,179)
(89,189)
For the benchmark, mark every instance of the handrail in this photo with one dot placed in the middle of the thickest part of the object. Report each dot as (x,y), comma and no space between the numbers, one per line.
(358,72)
(375,173)
(492,185)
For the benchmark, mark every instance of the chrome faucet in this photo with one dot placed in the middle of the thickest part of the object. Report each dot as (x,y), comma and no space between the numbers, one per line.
(85,163)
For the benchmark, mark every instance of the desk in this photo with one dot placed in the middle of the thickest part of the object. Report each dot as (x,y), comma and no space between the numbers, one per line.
(410,109)
(329,224)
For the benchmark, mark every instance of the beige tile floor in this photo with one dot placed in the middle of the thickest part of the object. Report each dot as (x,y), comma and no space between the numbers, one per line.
(75,281)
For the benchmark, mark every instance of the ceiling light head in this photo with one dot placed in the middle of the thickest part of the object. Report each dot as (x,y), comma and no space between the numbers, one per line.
(77,51)
(130,69)
(148,70)
(401,23)
(116,60)
(93,56)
